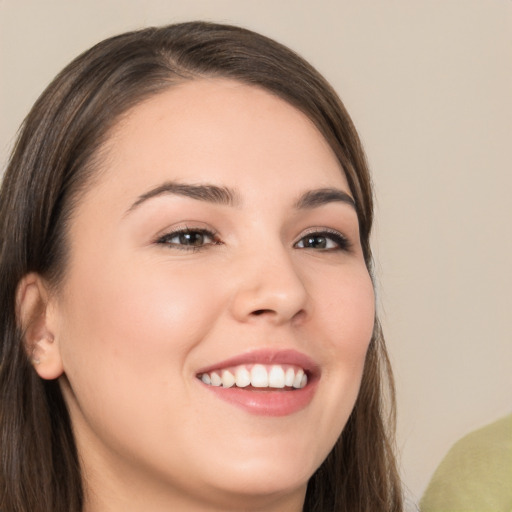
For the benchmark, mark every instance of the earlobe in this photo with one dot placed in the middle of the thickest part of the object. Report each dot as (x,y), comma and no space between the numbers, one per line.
(35,320)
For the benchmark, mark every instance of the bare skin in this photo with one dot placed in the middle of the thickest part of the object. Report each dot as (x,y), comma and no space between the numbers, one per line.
(162,284)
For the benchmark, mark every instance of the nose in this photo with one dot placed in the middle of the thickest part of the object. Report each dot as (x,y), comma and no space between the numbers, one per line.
(269,287)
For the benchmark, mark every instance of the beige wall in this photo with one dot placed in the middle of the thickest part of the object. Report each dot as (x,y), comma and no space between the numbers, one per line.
(429,85)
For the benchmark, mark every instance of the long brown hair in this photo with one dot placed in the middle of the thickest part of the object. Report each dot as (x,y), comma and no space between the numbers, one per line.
(54,159)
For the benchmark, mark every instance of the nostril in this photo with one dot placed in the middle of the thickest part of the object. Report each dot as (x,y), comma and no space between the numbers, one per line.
(259,312)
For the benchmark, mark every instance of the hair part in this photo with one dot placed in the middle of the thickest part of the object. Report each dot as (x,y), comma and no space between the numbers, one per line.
(57,157)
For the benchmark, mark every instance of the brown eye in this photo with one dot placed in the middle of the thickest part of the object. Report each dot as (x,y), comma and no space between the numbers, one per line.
(323,241)
(314,242)
(188,238)
(194,238)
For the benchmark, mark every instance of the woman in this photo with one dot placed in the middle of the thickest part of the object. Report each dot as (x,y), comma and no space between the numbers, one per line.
(187,312)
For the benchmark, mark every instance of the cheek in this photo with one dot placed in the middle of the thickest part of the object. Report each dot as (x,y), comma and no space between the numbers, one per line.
(126,323)
(343,325)
(344,319)
(126,337)
(348,311)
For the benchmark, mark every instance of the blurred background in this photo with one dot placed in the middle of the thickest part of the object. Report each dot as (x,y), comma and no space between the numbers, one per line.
(429,86)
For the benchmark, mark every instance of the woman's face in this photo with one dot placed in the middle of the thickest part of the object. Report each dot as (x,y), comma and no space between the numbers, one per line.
(219,242)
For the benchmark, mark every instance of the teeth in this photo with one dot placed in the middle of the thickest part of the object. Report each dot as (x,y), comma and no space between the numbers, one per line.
(298,379)
(276,377)
(289,377)
(215,379)
(243,377)
(228,379)
(258,376)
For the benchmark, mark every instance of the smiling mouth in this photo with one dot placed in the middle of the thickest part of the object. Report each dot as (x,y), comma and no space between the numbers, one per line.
(285,377)
(271,383)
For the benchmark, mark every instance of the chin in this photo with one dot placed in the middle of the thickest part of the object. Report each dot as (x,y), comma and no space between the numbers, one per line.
(265,477)
(261,490)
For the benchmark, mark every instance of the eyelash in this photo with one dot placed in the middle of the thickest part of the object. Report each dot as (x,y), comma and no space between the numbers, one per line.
(340,241)
(205,233)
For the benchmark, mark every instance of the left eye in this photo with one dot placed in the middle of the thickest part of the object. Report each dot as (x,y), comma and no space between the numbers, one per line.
(188,238)
(323,241)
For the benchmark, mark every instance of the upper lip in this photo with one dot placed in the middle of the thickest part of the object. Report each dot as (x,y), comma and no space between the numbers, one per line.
(266,356)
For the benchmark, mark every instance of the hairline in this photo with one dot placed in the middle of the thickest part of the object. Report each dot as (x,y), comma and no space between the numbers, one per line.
(96,165)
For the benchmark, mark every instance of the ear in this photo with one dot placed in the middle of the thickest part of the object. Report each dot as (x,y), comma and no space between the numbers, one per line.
(36,319)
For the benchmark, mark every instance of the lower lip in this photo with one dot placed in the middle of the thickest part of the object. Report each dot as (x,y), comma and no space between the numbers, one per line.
(267,401)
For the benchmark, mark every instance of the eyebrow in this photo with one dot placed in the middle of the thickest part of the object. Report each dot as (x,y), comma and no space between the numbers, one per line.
(229,197)
(205,192)
(319,197)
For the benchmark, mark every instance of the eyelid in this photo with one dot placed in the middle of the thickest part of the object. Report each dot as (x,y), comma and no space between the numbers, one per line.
(338,237)
(187,228)
(185,225)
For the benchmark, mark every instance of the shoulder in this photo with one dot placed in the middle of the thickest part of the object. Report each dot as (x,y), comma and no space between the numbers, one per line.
(475,474)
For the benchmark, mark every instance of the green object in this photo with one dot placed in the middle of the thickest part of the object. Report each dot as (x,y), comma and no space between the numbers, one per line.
(476,474)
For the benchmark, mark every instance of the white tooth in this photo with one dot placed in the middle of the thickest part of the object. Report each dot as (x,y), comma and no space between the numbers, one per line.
(303,381)
(276,377)
(228,379)
(215,379)
(259,376)
(206,378)
(242,376)
(289,377)
(298,378)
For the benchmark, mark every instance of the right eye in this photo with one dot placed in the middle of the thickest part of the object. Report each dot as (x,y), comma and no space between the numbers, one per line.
(324,240)
(188,239)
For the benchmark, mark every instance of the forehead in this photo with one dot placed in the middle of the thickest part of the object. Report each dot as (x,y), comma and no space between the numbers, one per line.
(218,130)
